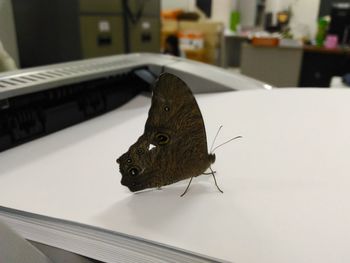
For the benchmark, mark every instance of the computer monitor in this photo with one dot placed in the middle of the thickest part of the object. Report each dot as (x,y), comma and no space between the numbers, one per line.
(205,6)
(340,22)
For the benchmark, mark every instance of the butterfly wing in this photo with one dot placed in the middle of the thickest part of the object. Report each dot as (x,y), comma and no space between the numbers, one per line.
(173,146)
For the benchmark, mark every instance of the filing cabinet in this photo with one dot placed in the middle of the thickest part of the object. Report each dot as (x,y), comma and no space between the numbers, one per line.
(65,30)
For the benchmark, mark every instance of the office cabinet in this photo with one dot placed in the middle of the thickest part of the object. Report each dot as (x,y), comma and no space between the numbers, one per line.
(64,30)
(143,25)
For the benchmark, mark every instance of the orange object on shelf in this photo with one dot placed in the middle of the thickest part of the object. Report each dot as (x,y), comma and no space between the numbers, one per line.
(171,14)
(265,41)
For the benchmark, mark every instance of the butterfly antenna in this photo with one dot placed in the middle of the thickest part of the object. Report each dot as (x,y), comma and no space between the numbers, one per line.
(237,137)
(217,133)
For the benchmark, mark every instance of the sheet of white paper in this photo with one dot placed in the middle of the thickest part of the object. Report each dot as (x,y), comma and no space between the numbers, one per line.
(286,182)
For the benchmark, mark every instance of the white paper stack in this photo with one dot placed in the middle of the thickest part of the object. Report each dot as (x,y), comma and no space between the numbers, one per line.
(286,185)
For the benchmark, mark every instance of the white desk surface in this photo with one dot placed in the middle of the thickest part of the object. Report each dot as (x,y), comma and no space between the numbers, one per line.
(286,183)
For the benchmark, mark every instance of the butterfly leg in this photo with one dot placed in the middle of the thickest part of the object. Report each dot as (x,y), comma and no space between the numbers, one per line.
(213,173)
(209,173)
(188,186)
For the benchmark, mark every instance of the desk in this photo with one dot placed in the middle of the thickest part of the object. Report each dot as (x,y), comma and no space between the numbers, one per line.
(306,66)
(319,65)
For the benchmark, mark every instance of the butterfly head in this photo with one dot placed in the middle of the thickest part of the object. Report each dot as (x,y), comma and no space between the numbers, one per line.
(212,158)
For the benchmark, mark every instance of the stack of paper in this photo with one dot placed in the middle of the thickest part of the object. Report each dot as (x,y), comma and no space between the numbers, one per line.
(286,185)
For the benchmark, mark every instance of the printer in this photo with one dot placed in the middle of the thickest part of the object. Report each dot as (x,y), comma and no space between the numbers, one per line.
(42,100)
(63,190)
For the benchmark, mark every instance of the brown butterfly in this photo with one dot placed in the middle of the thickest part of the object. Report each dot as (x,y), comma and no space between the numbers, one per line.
(173,146)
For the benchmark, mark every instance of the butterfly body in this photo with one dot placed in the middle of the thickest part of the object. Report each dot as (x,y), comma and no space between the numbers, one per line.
(173,146)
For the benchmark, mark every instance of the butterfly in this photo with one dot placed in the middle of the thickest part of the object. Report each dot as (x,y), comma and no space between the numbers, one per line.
(173,146)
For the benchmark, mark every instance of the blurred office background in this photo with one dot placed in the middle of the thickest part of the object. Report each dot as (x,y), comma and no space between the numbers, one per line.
(284,43)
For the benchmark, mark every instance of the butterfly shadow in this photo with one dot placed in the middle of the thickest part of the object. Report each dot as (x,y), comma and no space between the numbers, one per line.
(154,208)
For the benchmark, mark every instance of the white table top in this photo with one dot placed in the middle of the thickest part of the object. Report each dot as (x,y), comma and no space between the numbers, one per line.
(286,183)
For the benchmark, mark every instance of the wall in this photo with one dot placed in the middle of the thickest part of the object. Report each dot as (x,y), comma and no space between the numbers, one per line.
(173,4)
(247,9)
(7,29)
(221,10)
(305,15)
